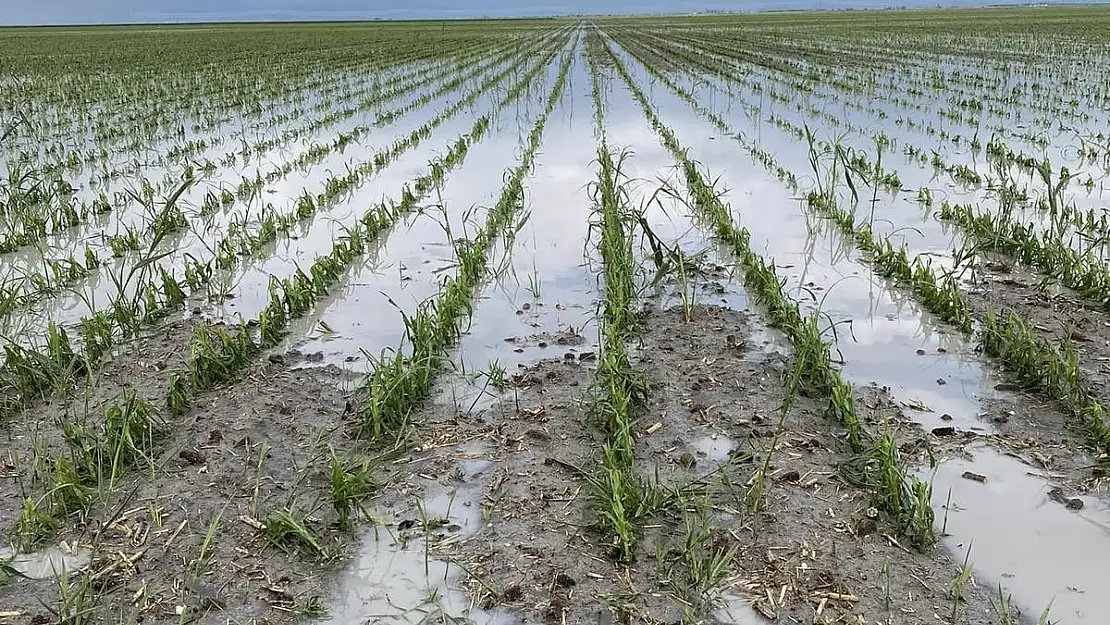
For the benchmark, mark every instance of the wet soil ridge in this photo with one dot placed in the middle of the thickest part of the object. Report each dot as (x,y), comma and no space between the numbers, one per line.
(741,510)
(876,464)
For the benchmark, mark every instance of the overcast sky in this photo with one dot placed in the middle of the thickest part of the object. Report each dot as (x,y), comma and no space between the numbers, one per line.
(122,11)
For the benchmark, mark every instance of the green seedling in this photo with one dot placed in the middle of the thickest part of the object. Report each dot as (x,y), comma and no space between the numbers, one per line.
(351,483)
(291,531)
(960,584)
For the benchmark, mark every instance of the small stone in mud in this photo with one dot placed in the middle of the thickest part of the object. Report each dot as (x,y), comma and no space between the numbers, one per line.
(865,527)
(974,477)
(562,580)
(215,436)
(192,456)
(568,339)
(941,350)
(569,356)
(941,381)
(1072,503)
(687,460)
(527,306)
(920,352)
(350,359)
(512,594)
(587,356)
(542,344)
(947,430)
(946,417)
(790,477)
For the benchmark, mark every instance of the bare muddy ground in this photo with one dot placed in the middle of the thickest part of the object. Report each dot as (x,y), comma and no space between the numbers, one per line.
(504,494)
(816,552)
(1059,316)
(180,539)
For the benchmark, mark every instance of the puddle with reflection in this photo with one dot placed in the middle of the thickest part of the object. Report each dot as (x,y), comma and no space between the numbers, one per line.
(738,611)
(1024,535)
(543,304)
(366,314)
(711,451)
(49,563)
(396,579)
(886,328)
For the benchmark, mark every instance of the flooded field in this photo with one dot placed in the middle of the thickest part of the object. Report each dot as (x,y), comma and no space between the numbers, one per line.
(786,318)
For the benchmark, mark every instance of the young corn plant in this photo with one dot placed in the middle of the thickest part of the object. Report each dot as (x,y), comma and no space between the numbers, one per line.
(292,531)
(618,490)
(351,484)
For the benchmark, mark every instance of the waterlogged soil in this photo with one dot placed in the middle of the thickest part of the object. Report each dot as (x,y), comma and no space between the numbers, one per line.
(1059,316)
(490,513)
(179,540)
(523,539)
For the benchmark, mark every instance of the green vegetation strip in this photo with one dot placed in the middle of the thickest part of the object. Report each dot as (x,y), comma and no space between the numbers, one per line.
(621,497)
(217,355)
(399,382)
(1005,335)
(29,372)
(99,454)
(877,465)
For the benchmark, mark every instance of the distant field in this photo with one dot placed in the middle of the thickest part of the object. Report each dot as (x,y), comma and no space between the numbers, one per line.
(786,317)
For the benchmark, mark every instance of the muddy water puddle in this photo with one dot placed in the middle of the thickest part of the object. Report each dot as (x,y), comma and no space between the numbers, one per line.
(48,563)
(396,577)
(738,611)
(877,330)
(366,315)
(1045,545)
(709,452)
